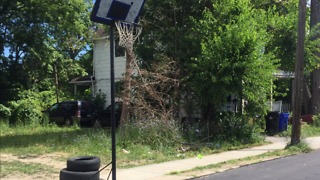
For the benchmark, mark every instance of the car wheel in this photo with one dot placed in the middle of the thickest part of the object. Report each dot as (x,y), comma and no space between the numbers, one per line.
(83,164)
(68,122)
(67,175)
(97,123)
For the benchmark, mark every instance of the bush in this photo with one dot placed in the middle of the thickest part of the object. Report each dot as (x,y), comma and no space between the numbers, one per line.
(4,111)
(100,101)
(28,112)
(237,128)
(316,120)
(195,130)
(44,99)
(156,134)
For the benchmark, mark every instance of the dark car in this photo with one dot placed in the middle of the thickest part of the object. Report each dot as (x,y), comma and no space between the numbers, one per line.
(103,117)
(71,112)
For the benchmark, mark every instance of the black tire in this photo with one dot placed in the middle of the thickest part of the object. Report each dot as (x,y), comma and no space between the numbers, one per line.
(83,163)
(71,175)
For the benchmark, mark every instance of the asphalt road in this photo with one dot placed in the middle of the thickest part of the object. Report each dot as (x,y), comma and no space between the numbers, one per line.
(299,167)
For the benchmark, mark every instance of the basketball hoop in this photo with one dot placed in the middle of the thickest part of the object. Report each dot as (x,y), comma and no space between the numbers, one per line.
(128,33)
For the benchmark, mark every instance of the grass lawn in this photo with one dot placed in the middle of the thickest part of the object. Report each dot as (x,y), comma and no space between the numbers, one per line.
(306,131)
(75,141)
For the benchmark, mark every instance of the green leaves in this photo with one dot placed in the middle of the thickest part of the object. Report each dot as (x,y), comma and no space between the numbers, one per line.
(35,34)
(233,58)
(313,49)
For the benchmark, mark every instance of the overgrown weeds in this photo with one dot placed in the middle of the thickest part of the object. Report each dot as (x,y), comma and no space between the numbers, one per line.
(155,133)
(238,128)
(230,128)
(316,120)
(137,143)
(307,130)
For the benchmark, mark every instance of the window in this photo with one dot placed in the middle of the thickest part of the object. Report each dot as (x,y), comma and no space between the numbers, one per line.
(119,51)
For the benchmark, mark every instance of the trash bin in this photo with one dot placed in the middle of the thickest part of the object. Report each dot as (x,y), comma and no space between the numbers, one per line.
(272,123)
(283,122)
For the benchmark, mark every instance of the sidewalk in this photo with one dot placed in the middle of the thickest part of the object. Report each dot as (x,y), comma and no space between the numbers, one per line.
(160,171)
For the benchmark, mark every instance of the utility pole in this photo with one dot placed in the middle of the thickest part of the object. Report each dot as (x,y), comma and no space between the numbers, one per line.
(56,80)
(314,21)
(298,79)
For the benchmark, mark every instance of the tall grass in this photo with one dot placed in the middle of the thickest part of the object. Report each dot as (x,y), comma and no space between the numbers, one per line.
(307,130)
(74,141)
(51,138)
(136,144)
(310,131)
(155,133)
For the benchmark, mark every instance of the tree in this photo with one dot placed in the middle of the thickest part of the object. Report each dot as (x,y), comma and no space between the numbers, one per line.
(167,34)
(233,60)
(299,72)
(315,26)
(168,31)
(153,89)
(34,34)
(281,26)
(127,40)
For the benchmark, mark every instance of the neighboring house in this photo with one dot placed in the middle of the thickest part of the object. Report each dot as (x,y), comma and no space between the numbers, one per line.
(280,106)
(101,66)
(82,81)
(100,81)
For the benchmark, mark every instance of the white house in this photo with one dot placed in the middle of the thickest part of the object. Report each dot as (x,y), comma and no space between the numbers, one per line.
(101,66)
(100,81)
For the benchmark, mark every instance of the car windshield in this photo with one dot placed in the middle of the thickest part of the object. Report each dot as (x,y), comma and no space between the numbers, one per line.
(116,107)
(54,107)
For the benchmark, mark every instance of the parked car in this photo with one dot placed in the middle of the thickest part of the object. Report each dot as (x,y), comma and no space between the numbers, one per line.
(102,118)
(70,112)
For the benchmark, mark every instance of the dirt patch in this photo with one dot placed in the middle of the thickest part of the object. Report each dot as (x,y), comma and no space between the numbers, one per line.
(46,159)
(54,162)
(18,176)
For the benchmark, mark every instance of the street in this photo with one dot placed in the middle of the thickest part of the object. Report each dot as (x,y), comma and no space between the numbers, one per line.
(303,166)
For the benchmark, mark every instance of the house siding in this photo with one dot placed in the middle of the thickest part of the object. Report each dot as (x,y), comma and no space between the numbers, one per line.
(101,66)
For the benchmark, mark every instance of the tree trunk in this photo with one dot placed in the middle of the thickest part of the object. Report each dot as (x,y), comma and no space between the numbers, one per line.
(56,80)
(298,80)
(314,20)
(306,100)
(316,92)
(127,87)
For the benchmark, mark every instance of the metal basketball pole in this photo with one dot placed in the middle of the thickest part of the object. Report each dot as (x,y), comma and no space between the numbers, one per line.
(113,121)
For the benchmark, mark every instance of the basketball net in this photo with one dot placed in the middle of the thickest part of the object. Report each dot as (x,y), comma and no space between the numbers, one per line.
(128,34)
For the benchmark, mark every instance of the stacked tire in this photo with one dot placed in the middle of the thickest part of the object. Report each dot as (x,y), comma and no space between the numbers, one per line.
(81,168)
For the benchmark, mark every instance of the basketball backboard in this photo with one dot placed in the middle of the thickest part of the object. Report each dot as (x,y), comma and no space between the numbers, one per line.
(106,11)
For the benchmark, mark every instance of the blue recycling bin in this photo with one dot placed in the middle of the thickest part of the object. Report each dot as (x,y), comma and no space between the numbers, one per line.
(283,122)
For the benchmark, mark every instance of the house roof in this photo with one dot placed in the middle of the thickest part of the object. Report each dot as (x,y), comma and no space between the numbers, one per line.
(83,80)
(283,74)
